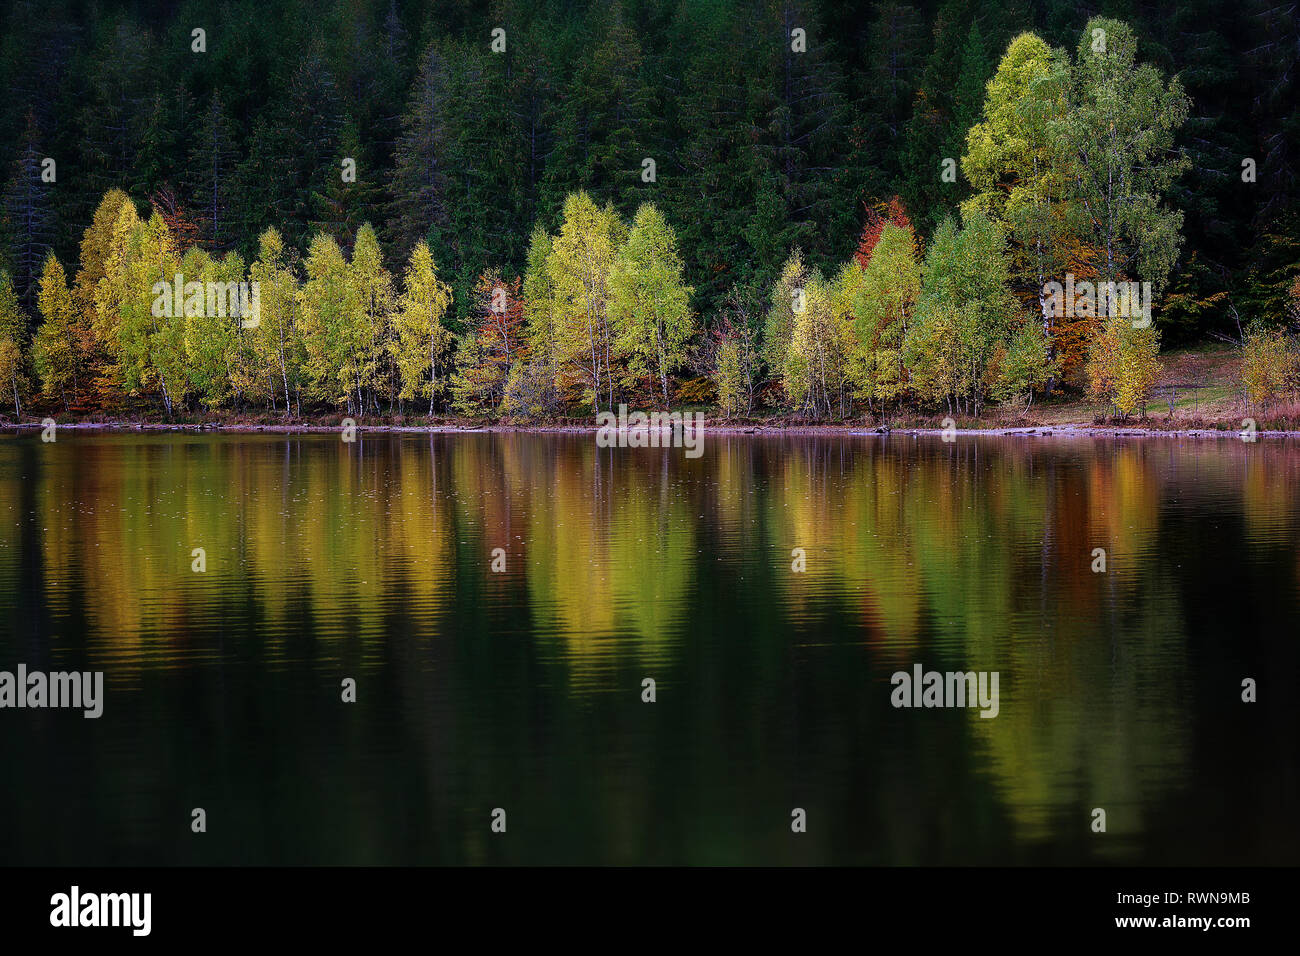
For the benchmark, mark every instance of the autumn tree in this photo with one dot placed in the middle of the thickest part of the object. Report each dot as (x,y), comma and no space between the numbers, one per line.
(371,330)
(1268,365)
(216,365)
(1021,175)
(147,332)
(276,342)
(891,213)
(735,359)
(817,362)
(422,340)
(965,314)
(330,313)
(103,243)
(535,386)
(1119,133)
(880,299)
(492,347)
(184,231)
(1124,363)
(123,309)
(55,355)
(650,305)
(579,266)
(13,333)
(789,295)
(1022,365)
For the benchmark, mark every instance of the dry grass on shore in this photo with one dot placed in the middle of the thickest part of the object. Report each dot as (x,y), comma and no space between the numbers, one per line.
(1198,390)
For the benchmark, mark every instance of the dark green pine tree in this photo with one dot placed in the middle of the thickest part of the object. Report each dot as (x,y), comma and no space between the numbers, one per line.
(947,104)
(170,132)
(478,187)
(711,179)
(1216,203)
(40,74)
(418,185)
(1063,19)
(1272,41)
(808,163)
(37,48)
(530,70)
(977,65)
(604,123)
(1272,61)
(352,197)
(264,185)
(213,160)
(464,171)
(390,64)
(359,81)
(895,57)
(115,108)
(315,119)
(29,224)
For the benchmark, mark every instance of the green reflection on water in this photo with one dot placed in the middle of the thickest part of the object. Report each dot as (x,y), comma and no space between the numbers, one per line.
(522,689)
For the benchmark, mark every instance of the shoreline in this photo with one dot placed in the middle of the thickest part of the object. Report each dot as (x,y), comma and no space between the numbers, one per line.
(1068,430)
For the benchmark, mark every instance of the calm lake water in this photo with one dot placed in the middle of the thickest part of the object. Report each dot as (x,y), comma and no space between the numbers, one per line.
(522,690)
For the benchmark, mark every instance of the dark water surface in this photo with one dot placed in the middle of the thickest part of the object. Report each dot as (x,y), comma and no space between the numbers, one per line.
(522,690)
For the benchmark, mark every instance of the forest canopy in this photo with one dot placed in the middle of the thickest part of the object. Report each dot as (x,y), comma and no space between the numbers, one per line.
(827,207)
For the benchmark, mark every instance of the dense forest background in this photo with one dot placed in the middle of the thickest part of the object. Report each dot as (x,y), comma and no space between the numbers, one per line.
(757,149)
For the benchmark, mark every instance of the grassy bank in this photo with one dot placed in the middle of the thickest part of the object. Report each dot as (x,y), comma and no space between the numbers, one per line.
(1199,390)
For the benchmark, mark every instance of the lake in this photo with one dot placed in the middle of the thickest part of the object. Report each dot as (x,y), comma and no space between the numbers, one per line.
(520,688)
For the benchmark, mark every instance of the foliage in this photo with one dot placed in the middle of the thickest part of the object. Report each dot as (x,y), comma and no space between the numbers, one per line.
(1123,364)
(1268,365)
(965,314)
(422,340)
(650,306)
(13,377)
(54,350)
(761,159)
(488,353)
(880,300)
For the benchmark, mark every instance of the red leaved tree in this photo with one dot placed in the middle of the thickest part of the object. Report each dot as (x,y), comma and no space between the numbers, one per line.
(183,230)
(878,216)
(492,346)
